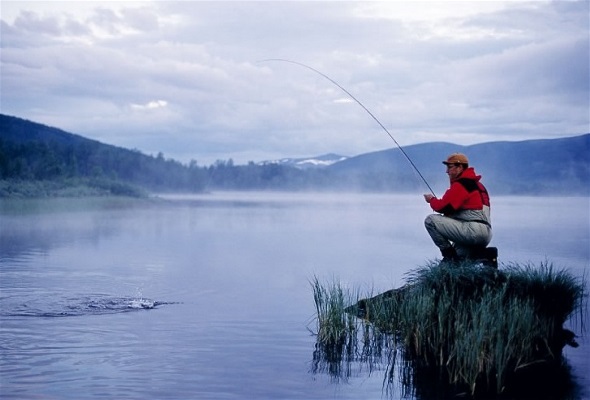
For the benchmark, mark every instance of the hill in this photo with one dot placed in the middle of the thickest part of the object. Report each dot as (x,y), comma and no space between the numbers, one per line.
(32,152)
(547,166)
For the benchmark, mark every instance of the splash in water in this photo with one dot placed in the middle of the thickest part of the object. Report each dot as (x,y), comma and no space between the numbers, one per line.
(97,304)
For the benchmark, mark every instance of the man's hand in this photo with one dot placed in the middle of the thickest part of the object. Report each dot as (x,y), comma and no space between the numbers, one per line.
(428,197)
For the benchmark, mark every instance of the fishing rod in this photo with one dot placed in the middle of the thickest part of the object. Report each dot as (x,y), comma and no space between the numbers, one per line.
(364,108)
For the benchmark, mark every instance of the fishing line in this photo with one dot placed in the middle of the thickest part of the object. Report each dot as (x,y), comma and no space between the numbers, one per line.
(364,108)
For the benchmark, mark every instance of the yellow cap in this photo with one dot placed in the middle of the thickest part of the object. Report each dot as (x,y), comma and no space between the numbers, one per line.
(457,158)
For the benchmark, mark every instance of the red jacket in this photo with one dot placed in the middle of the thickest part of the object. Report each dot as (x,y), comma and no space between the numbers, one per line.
(465,193)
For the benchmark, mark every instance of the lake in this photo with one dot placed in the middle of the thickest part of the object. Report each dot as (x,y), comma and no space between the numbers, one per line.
(209,296)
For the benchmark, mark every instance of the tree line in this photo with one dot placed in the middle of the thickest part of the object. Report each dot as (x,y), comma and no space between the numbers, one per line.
(31,152)
(39,161)
(122,171)
(35,153)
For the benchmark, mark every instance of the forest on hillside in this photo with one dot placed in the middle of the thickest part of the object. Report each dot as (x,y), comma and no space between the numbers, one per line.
(125,172)
(37,160)
(40,160)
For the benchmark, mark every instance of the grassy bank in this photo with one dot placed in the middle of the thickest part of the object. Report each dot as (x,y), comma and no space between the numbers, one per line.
(74,187)
(476,328)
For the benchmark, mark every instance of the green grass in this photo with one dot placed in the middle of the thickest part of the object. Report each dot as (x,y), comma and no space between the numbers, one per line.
(479,326)
(68,188)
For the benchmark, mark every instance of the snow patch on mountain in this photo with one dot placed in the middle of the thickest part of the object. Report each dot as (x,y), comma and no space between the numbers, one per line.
(308,162)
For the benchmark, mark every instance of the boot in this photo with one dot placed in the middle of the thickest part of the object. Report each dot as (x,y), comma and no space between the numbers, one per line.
(485,255)
(449,255)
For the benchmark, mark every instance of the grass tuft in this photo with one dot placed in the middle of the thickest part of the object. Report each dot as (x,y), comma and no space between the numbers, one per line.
(476,325)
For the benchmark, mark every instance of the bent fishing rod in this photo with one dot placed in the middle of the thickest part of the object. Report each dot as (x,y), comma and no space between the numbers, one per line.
(364,108)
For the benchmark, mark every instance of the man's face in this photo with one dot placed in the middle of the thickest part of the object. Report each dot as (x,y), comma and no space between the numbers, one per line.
(454,171)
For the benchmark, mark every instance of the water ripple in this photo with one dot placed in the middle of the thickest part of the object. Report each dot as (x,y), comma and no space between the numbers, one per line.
(97,304)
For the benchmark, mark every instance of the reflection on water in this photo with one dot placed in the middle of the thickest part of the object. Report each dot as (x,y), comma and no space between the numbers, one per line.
(362,350)
(368,351)
(208,296)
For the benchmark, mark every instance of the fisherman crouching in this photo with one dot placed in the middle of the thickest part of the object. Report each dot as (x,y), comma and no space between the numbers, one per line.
(462,226)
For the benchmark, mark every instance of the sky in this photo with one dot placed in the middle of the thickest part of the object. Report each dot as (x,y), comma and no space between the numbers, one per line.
(189,79)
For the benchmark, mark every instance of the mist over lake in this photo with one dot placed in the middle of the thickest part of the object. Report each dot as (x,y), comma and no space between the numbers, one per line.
(208,296)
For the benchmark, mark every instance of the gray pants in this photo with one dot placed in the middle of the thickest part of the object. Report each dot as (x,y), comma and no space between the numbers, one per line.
(464,235)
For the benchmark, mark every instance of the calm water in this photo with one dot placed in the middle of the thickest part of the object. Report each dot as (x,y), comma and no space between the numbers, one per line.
(208,297)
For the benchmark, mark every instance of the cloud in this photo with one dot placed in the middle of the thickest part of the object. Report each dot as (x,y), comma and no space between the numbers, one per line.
(154,104)
(183,78)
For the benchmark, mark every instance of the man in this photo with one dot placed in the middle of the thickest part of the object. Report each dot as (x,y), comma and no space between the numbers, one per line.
(463,224)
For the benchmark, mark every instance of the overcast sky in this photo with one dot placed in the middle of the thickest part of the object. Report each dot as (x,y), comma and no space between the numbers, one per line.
(185,78)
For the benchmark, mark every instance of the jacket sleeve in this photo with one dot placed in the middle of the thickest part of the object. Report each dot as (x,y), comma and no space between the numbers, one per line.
(451,201)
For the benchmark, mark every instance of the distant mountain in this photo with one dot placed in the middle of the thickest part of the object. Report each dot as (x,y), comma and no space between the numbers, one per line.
(557,166)
(308,162)
(32,152)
